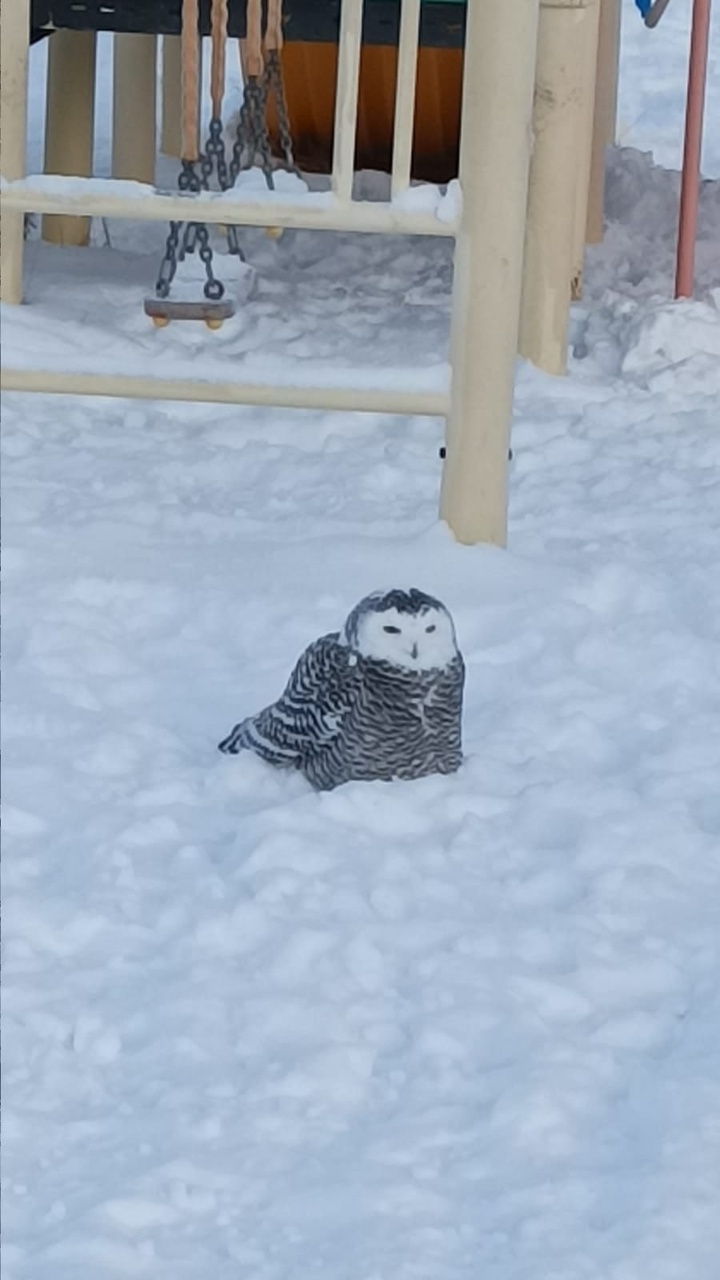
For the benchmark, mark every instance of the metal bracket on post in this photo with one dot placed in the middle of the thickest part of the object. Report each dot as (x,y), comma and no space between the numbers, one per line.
(655,12)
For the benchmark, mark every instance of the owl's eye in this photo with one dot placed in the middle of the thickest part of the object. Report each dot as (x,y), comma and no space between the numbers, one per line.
(392,631)
(432,627)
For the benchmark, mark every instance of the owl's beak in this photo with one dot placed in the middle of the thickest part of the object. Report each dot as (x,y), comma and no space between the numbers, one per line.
(414,651)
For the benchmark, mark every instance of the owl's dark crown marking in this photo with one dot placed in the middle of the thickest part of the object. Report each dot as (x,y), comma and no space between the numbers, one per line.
(409,603)
(412,601)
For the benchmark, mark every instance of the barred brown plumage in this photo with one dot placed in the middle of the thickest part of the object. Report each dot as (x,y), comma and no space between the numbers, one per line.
(381,699)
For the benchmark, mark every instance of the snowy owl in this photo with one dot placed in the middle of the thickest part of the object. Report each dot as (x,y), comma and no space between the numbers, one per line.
(380,699)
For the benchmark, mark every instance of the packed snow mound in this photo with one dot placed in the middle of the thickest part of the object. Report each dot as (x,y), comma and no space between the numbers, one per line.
(627,322)
(670,335)
(637,257)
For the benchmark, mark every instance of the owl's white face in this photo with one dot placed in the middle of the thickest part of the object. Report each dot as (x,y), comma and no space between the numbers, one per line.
(418,641)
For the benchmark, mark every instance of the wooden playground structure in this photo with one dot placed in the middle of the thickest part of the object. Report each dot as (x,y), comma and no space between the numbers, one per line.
(528,111)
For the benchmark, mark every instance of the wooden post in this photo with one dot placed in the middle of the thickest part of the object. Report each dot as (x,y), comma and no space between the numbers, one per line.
(405,96)
(170,141)
(605,116)
(69,123)
(585,139)
(134,107)
(346,98)
(554,167)
(500,49)
(14,40)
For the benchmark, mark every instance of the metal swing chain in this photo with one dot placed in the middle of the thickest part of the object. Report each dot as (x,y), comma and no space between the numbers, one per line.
(262,77)
(257,105)
(189,181)
(194,233)
(251,139)
(214,154)
(168,266)
(273,79)
(214,157)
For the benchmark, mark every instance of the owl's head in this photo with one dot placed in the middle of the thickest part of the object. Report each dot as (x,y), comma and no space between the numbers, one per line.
(405,628)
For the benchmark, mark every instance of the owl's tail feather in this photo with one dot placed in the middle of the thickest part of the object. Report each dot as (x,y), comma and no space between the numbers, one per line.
(234,743)
(248,736)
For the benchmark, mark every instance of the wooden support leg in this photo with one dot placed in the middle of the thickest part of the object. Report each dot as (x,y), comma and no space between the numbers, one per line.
(500,46)
(605,118)
(69,124)
(585,139)
(548,263)
(170,142)
(14,39)
(134,107)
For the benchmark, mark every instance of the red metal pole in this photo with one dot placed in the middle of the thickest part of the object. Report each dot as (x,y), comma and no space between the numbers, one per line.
(690,187)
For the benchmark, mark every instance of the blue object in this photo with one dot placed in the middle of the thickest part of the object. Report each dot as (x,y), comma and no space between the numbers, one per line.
(644,6)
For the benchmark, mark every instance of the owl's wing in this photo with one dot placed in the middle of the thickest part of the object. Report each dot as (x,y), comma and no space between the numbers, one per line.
(455,688)
(308,715)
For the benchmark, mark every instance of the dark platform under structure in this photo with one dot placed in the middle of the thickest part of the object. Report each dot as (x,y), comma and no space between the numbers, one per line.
(442,22)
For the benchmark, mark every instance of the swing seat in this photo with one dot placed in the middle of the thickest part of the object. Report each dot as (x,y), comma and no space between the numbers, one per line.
(162,310)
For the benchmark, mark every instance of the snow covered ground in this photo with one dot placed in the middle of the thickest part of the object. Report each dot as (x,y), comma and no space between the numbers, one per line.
(461,1029)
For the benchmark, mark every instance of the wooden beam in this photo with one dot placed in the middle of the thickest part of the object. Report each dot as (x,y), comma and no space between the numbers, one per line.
(102,198)
(432,404)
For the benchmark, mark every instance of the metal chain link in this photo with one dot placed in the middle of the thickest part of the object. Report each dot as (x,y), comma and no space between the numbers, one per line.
(234,243)
(213,157)
(213,289)
(176,250)
(258,104)
(188,179)
(251,138)
(274,81)
(252,141)
(168,266)
(242,141)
